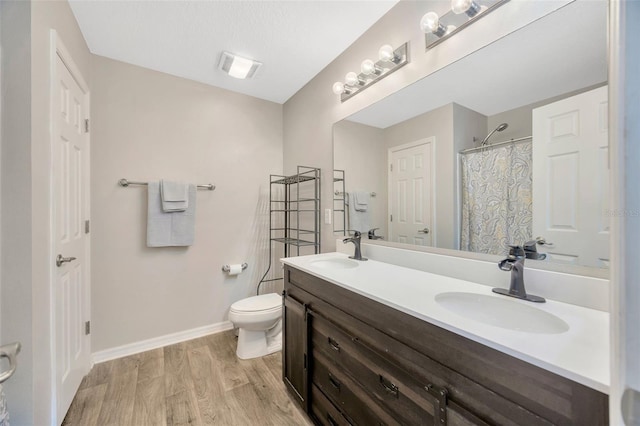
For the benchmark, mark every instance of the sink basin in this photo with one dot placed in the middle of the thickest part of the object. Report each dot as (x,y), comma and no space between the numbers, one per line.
(337,263)
(503,313)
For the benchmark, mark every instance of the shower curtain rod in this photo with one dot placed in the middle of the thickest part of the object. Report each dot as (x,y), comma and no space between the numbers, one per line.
(493,145)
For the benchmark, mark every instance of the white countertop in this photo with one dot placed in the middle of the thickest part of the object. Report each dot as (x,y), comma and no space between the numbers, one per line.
(580,354)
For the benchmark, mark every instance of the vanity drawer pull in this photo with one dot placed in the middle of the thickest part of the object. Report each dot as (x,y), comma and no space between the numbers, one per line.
(389,387)
(334,382)
(331,421)
(334,345)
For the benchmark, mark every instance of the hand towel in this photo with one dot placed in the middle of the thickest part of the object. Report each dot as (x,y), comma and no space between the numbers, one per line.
(358,220)
(361,200)
(174,196)
(166,229)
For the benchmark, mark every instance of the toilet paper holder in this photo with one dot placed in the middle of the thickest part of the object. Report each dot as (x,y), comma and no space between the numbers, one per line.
(227,268)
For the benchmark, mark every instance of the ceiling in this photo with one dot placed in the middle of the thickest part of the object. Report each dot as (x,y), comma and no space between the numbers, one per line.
(294,40)
(560,53)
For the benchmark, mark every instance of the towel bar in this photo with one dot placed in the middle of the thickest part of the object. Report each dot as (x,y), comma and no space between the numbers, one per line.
(373,194)
(125,183)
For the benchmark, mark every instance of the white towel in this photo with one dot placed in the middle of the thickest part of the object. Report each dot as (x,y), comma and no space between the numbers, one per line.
(361,200)
(174,195)
(358,220)
(165,229)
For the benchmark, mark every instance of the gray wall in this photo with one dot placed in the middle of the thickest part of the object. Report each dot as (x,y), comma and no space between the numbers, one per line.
(15,267)
(149,125)
(310,114)
(360,151)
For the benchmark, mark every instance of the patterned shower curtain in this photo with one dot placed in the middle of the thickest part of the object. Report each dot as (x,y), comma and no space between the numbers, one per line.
(496,198)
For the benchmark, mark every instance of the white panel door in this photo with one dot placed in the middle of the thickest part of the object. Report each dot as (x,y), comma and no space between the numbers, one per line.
(571,178)
(70,168)
(411,193)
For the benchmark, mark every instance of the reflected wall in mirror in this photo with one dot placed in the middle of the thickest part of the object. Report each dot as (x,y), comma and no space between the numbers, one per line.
(541,90)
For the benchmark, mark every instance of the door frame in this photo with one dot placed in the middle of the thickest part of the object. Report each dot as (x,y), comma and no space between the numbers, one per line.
(623,157)
(430,140)
(58,50)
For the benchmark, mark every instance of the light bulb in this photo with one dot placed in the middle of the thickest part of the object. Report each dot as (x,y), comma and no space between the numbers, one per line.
(430,23)
(469,7)
(368,67)
(351,79)
(338,88)
(386,53)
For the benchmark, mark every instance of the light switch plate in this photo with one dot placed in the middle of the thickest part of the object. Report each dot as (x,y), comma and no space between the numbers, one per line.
(327,216)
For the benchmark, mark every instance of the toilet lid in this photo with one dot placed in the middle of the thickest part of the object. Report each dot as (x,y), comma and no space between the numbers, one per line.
(263,302)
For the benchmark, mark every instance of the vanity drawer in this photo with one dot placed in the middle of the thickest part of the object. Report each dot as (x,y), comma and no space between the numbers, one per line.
(405,398)
(350,399)
(323,411)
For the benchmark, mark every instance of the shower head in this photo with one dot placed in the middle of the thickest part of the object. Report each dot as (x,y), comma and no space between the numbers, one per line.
(500,128)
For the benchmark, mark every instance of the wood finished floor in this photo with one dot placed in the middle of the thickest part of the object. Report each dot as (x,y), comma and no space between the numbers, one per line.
(198,382)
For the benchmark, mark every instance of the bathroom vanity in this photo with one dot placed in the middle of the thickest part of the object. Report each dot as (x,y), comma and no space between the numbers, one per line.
(357,349)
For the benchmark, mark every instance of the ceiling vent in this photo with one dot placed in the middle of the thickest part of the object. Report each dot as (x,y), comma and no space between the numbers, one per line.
(237,66)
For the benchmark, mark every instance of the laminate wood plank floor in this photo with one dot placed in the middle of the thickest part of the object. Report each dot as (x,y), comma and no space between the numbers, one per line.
(198,382)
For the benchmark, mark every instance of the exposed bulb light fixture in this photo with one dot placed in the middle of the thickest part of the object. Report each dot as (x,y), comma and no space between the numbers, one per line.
(370,72)
(463,13)
(338,88)
(237,66)
(470,7)
(430,23)
(368,67)
(385,54)
(352,79)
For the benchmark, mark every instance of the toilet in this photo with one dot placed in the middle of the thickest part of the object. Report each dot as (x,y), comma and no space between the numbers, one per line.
(259,320)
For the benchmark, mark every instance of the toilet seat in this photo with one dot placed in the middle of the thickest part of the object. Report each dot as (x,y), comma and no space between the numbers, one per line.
(264,303)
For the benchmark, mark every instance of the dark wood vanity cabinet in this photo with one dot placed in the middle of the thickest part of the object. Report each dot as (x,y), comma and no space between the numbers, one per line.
(350,360)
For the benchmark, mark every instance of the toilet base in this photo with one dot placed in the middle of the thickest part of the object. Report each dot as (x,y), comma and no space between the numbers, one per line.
(255,344)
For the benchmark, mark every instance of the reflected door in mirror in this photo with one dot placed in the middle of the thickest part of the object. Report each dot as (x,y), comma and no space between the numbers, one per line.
(571,178)
(411,193)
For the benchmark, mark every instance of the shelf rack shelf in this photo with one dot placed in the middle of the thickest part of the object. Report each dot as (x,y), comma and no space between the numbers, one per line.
(339,205)
(294,214)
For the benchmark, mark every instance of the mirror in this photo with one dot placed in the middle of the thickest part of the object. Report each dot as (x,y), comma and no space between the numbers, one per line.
(412,164)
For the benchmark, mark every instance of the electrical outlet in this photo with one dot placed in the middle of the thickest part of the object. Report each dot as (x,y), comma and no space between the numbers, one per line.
(327,216)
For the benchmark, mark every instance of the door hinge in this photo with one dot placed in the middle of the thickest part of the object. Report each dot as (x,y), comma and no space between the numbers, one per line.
(390,167)
(390,218)
(87,226)
(87,328)
(86,125)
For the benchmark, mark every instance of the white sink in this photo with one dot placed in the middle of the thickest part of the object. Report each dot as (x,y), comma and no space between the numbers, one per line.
(502,312)
(334,263)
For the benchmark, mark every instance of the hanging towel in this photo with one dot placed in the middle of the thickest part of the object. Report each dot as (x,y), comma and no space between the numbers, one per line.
(358,219)
(165,229)
(174,195)
(362,200)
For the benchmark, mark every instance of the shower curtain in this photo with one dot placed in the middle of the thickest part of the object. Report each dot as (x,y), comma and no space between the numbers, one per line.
(496,198)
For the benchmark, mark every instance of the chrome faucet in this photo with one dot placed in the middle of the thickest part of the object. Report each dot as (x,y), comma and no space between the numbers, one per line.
(372,234)
(515,263)
(357,255)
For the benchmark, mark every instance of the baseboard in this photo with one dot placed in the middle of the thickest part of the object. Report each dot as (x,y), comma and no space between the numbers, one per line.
(158,342)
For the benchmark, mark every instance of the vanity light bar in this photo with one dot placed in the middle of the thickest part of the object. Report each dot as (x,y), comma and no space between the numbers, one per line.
(389,61)
(462,14)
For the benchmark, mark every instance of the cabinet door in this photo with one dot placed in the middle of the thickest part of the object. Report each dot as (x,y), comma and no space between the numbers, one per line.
(294,343)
